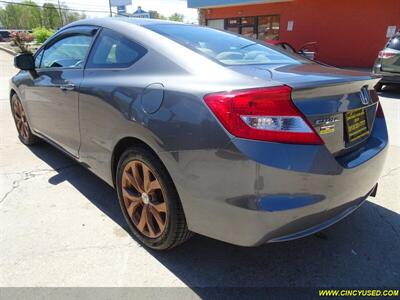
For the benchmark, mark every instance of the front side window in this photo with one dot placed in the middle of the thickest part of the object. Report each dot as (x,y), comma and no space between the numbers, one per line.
(224,47)
(69,52)
(113,50)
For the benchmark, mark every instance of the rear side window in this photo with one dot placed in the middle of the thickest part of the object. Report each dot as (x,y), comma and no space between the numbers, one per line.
(394,43)
(224,47)
(113,50)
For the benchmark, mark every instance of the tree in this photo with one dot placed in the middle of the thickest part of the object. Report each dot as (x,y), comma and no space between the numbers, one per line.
(10,16)
(176,17)
(31,15)
(50,15)
(25,15)
(70,16)
(156,15)
(28,15)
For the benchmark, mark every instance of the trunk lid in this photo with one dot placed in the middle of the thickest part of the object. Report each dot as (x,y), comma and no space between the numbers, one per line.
(339,104)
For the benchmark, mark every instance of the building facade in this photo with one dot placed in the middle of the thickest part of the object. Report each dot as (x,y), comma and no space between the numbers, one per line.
(348,33)
(140,13)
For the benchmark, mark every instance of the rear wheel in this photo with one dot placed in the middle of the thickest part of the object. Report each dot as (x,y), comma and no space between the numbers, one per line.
(21,122)
(149,200)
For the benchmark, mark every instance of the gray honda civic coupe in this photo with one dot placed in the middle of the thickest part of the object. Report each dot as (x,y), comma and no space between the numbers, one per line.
(204,131)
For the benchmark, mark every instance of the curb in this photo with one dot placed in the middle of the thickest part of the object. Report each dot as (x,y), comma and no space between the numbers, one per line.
(9,51)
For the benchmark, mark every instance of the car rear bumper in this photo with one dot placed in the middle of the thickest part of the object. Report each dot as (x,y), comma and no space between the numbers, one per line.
(254,192)
(329,218)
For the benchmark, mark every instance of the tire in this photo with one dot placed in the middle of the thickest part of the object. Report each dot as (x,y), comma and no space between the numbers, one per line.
(25,134)
(157,201)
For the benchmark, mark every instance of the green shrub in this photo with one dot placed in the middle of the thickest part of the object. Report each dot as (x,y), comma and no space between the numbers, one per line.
(41,34)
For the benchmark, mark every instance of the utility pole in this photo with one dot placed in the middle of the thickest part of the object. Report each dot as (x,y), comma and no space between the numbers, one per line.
(61,15)
(109,3)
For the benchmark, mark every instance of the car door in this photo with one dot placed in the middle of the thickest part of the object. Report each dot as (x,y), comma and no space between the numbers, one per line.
(391,56)
(53,97)
(114,79)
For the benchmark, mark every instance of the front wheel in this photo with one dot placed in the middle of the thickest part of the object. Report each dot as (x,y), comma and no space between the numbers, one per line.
(149,200)
(21,122)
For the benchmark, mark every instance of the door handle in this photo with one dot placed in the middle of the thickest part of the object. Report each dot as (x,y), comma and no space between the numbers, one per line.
(67,87)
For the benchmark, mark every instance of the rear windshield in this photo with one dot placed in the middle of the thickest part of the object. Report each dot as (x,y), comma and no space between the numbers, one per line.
(394,43)
(227,48)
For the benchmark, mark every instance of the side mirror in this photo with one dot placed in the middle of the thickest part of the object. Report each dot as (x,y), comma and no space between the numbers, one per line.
(24,61)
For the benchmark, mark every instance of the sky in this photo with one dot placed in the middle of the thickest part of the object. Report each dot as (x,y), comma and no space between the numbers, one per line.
(165,7)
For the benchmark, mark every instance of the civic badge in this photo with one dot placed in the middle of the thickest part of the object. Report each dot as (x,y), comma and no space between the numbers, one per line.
(364,95)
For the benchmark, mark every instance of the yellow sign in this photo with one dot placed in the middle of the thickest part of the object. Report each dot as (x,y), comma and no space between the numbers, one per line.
(357,126)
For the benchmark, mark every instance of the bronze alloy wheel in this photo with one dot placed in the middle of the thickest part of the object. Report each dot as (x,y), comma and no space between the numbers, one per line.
(20,119)
(144,199)
(149,200)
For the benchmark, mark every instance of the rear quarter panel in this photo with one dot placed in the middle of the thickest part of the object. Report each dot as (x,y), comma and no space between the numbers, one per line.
(112,102)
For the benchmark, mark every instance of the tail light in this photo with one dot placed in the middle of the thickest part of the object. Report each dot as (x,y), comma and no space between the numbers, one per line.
(379,111)
(266,114)
(386,54)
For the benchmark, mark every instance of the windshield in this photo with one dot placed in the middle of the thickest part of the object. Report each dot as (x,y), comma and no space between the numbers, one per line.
(224,47)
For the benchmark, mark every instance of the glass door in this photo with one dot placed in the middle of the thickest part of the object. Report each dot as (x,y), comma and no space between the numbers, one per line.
(243,25)
(247,26)
(233,25)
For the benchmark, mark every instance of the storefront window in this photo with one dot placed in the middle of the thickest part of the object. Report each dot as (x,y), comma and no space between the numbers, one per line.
(217,24)
(268,27)
(248,27)
(233,25)
(261,27)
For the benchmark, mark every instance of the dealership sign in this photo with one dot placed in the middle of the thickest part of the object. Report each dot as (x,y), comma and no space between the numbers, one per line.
(121,9)
(120,2)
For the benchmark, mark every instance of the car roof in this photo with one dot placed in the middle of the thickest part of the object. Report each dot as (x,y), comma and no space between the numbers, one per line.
(112,21)
(144,21)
